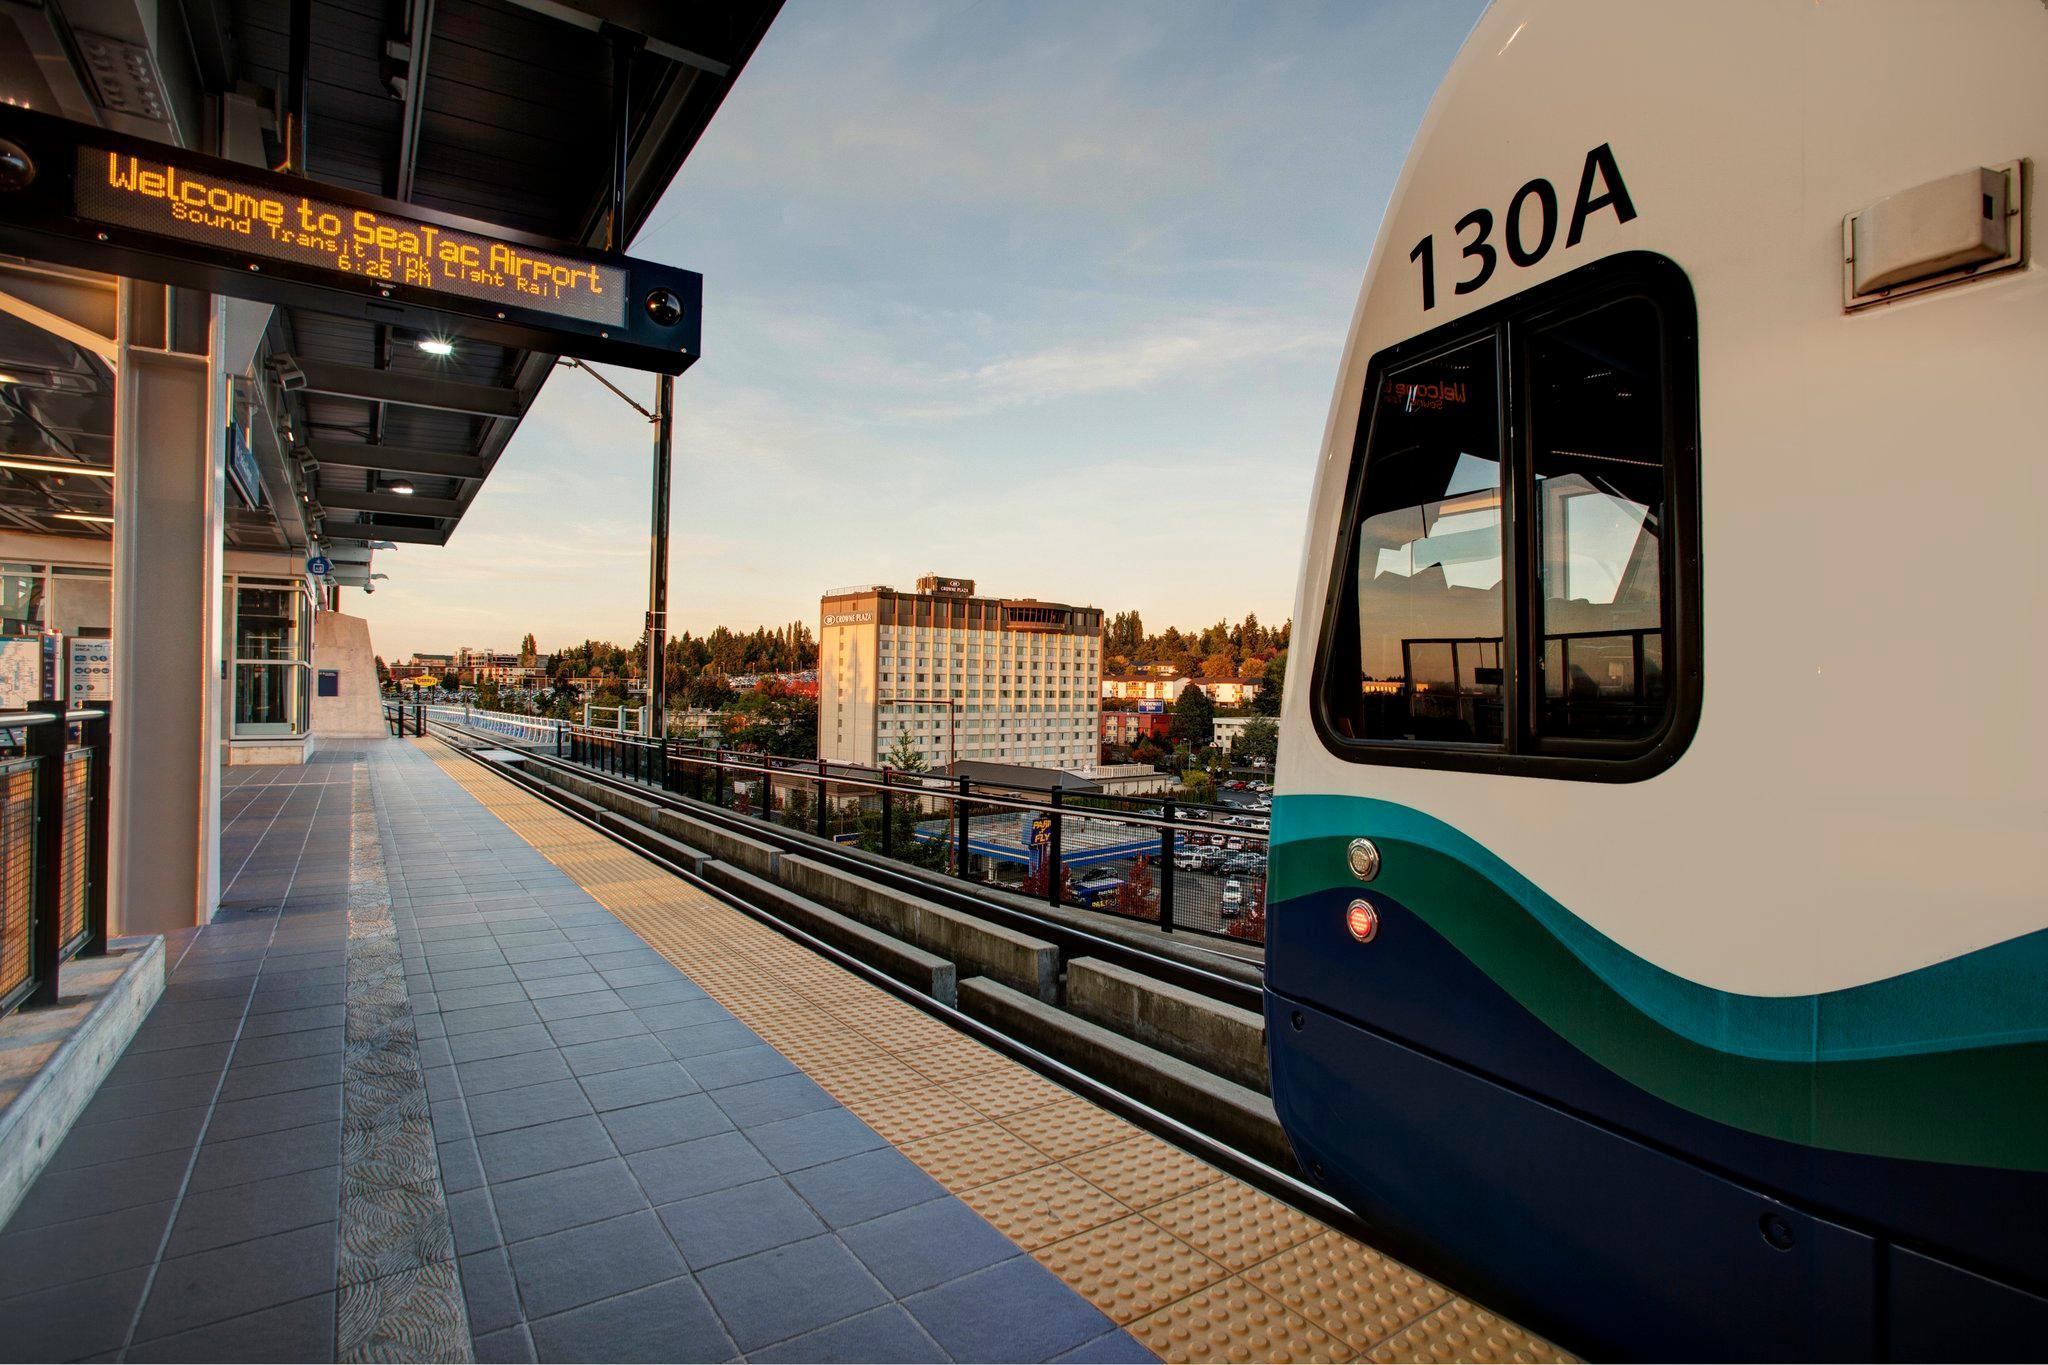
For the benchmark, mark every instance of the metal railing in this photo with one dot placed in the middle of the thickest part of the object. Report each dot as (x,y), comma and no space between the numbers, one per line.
(53,848)
(406,717)
(1179,865)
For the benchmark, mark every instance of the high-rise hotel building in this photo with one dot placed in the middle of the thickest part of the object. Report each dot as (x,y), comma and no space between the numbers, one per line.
(1002,680)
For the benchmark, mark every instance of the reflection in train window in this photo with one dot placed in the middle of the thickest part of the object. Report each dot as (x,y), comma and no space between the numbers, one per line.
(1518,581)
(1597,451)
(1429,555)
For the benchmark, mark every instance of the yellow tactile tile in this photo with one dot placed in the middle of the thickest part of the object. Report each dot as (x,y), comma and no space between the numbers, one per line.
(1233,1321)
(977,1155)
(1067,1127)
(1130,1268)
(1348,1289)
(1046,1205)
(1212,1269)
(1234,1223)
(1142,1171)
(1461,1330)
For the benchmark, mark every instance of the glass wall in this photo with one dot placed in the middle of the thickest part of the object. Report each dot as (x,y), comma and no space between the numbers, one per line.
(272,632)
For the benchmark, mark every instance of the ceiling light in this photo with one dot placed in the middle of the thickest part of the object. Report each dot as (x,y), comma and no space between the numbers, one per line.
(92,517)
(8,379)
(402,487)
(439,346)
(54,467)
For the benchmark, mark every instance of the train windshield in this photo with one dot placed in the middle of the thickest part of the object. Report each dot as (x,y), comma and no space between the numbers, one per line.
(1429,555)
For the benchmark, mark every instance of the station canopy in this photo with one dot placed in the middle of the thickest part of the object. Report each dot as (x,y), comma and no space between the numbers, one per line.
(496,110)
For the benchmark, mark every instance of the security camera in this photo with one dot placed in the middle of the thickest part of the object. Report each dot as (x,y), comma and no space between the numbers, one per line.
(369,587)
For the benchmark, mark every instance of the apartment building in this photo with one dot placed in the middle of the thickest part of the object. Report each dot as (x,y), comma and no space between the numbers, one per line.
(1003,680)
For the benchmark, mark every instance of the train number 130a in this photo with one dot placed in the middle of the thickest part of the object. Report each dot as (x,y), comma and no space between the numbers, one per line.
(1530,225)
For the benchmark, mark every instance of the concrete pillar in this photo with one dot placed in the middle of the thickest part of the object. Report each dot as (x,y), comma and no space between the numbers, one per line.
(170,478)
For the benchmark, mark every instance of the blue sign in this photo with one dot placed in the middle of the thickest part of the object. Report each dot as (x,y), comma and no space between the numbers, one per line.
(1152,707)
(319,566)
(243,475)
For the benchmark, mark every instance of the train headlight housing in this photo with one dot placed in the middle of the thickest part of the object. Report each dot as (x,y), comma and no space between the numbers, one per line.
(1364,859)
(1363,921)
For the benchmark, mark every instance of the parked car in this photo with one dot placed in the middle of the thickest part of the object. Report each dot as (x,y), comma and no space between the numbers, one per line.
(1233,900)
(1097,890)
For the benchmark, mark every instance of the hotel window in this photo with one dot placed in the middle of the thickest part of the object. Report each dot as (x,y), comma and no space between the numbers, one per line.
(273,636)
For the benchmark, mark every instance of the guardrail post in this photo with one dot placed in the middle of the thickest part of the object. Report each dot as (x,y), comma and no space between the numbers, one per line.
(1167,867)
(888,816)
(961,813)
(558,739)
(1053,855)
(718,775)
(824,827)
(668,767)
(45,744)
(98,735)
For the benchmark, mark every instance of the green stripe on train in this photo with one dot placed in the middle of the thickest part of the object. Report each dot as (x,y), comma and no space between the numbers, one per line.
(1944,1063)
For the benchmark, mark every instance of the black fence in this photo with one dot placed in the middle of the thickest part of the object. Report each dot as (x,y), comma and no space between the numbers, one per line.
(1181,866)
(53,848)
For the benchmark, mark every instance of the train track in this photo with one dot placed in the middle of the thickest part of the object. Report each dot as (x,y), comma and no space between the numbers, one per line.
(1189,1137)
(1072,940)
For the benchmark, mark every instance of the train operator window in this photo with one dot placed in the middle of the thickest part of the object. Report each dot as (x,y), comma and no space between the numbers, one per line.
(1517,584)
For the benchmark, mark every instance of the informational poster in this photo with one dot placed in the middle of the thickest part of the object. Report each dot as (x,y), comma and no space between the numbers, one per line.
(21,671)
(92,671)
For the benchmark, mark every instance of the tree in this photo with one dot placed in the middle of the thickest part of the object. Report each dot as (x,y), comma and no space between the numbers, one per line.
(1259,740)
(1194,717)
(450,683)
(1197,786)
(1134,897)
(487,695)
(709,691)
(771,719)
(904,755)
(1219,665)
(1267,700)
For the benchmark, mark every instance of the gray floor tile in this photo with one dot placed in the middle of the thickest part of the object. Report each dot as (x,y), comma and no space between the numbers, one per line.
(115,1103)
(669,1321)
(475,997)
(1111,1348)
(301,1330)
(236,1213)
(230,1281)
(867,1185)
(178,1061)
(739,1065)
(779,1097)
(700,1039)
(545,1147)
(278,1047)
(638,1085)
(1040,1318)
(513,1072)
(728,1224)
(60,1196)
(237,1161)
(691,1168)
(274,1113)
(885,1333)
(294,1021)
(558,1200)
(578,1004)
(754,1295)
(91,1144)
(503,1110)
(926,1245)
(472,977)
(67,1321)
(614,1054)
(664,1123)
(488,1291)
(595,1028)
(673,992)
(473,1221)
(488,1018)
(271,1078)
(812,1139)
(596,1261)
(81,1248)
(512,1346)
(566,983)
(681,1014)
(473,1047)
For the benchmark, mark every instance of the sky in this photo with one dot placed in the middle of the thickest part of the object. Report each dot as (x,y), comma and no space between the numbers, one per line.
(1051,296)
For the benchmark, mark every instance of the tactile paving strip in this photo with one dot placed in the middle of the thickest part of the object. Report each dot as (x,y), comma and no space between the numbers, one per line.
(1196,1264)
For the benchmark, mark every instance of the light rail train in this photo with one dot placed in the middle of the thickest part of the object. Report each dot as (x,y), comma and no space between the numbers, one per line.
(1657,917)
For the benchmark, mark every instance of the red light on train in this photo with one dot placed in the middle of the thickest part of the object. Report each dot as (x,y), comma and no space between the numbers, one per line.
(1362,920)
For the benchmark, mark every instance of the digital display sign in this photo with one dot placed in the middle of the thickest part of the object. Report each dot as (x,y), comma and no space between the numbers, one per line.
(134,191)
(80,195)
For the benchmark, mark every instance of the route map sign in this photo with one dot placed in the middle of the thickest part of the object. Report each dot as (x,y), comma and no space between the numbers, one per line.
(90,197)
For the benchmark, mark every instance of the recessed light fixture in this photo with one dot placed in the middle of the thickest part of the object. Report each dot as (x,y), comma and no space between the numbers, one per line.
(402,487)
(8,379)
(438,346)
(91,517)
(54,467)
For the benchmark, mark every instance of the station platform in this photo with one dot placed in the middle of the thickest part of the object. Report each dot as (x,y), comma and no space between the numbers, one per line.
(451,1076)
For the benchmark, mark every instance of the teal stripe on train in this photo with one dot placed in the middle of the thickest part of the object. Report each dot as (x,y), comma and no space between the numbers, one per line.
(1993,996)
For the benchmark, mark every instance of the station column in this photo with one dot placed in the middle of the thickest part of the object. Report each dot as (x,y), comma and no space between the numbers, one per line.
(169,532)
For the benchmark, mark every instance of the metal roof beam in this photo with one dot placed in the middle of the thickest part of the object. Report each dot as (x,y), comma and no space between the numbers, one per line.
(398,504)
(406,390)
(651,19)
(411,535)
(396,459)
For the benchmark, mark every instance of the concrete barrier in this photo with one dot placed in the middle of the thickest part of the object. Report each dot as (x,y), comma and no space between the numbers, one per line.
(1029,964)
(1221,1038)
(923,971)
(1234,1113)
(654,841)
(752,854)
